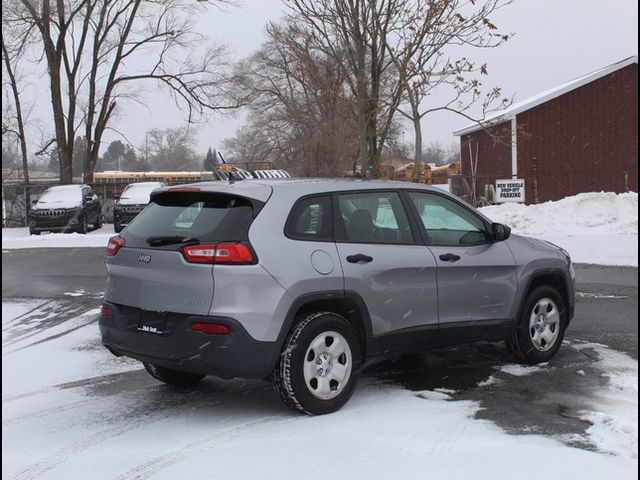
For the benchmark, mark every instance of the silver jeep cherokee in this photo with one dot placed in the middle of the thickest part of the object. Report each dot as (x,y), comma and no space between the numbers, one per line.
(307,281)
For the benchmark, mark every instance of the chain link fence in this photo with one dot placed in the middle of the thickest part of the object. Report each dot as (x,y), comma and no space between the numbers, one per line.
(478,191)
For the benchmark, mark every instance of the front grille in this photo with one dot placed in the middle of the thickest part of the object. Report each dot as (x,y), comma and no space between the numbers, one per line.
(50,213)
(130,208)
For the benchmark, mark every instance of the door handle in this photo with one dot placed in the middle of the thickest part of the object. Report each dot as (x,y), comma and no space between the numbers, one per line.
(359,258)
(449,257)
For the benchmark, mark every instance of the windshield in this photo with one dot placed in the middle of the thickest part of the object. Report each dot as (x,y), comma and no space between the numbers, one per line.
(65,195)
(138,193)
(206,217)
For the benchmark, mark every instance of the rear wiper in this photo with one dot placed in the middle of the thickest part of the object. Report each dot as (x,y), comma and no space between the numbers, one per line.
(169,240)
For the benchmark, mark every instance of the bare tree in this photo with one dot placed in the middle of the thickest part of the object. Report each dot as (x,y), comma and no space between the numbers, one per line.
(421,56)
(300,109)
(16,125)
(173,149)
(395,52)
(359,32)
(100,53)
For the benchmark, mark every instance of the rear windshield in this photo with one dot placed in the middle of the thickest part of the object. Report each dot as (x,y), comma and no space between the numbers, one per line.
(204,216)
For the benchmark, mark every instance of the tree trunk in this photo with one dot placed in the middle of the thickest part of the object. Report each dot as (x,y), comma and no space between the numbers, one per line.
(20,120)
(417,156)
(65,148)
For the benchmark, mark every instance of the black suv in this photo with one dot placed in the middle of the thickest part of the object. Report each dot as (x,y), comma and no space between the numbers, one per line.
(66,208)
(133,200)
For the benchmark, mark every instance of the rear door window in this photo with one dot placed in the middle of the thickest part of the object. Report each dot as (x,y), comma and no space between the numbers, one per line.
(205,216)
(372,217)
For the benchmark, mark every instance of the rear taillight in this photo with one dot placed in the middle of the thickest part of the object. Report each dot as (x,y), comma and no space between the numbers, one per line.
(115,244)
(222,253)
(106,311)
(211,328)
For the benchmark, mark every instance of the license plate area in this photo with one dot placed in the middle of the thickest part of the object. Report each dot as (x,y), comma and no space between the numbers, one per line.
(152,322)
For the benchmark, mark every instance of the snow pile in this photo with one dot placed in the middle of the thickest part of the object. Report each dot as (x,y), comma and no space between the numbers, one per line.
(596,228)
(603,212)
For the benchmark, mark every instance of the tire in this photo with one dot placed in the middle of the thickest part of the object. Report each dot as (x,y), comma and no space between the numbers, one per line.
(98,224)
(315,382)
(34,232)
(117,228)
(541,326)
(83,227)
(173,377)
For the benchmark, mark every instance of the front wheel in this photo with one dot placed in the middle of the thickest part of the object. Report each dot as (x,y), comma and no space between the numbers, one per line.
(83,227)
(173,377)
(541,327)
(319,364)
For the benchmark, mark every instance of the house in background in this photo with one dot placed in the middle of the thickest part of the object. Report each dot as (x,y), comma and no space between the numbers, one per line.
(581,136)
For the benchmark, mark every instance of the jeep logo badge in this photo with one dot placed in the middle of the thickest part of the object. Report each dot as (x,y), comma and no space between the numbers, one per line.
(143,258)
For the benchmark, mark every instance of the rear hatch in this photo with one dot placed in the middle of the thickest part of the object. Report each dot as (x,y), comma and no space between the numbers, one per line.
(164,260)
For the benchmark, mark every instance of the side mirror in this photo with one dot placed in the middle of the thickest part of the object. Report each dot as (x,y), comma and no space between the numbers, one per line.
(116,197)
(500,231)
(88,198)
(34,202)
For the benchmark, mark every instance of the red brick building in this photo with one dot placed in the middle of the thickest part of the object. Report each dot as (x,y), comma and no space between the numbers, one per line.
(581,136)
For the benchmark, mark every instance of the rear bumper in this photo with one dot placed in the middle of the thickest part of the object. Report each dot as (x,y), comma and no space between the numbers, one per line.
(235,354)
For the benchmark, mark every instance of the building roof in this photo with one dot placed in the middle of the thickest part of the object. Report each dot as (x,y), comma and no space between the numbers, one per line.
(545,96)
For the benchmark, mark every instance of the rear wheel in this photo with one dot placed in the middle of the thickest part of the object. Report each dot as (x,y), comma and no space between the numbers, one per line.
(541,328)
(318,367)
(34,232)
(173,377)
(117,227)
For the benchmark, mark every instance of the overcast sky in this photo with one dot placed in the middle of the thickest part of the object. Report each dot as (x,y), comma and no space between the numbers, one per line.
(555,41)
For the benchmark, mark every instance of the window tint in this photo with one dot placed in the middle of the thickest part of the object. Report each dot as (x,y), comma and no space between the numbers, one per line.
(373,217)
(310,219)
(446,222)
(208,217)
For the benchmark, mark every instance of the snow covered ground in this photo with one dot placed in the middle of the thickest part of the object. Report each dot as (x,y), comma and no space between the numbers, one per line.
(596,228)
(71,410)
(19,238)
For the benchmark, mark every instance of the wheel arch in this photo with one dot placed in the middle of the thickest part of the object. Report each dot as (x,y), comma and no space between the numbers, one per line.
(348,305)
(553,278)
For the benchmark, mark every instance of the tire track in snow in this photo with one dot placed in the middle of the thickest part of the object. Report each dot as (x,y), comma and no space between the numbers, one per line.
(99,380)
(63,454)
(71,405)
(149,468)
(49,338)
(11,323)
(64,314)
